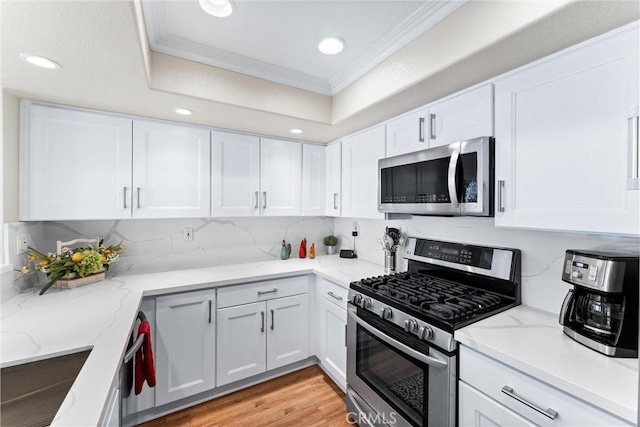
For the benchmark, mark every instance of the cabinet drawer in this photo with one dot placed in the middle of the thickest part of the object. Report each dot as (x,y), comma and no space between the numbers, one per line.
(492,377)
(333,292)
(262,291)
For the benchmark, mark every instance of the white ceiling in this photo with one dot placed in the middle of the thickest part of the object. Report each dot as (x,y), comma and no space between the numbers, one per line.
(106,64)
(277,40)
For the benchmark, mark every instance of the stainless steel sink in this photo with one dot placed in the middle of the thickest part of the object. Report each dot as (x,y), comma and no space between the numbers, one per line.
(31,393)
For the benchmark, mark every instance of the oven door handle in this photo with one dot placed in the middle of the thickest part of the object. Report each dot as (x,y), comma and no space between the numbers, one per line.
(363,419)
(397,344)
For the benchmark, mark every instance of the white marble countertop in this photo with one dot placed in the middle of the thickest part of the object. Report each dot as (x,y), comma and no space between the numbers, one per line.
(532,341)
(100,317)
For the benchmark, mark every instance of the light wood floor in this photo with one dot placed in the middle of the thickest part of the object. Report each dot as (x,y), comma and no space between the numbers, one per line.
(306,398)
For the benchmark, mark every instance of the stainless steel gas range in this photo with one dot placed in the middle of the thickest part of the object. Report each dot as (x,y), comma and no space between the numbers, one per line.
(401,355)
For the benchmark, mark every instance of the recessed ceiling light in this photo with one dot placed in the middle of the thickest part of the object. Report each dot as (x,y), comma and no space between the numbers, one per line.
(183,111)
(217,8)
(39,61)
(296,131)
(331,45)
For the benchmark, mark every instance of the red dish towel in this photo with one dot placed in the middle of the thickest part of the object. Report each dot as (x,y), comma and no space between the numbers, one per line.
(144,359)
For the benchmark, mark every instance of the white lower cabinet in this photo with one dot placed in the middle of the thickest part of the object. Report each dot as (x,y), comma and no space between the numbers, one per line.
(259,336)
(479,410)
(185,345)
(330,334)
(494,394)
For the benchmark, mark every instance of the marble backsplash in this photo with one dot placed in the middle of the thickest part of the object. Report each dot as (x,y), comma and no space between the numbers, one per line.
(158,245)
(542,251)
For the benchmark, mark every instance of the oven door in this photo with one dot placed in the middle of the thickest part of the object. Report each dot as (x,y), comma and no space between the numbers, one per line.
(393,378)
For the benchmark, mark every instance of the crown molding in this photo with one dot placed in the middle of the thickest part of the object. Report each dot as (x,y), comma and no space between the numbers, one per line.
(409,29)
(186,49)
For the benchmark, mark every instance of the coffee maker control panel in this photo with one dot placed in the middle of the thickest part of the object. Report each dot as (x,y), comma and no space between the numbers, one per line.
(595,272)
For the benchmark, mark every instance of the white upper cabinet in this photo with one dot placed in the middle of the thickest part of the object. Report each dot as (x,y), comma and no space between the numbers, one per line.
(408,133)
(313,180)
(465,116)
(333,192)
(171,167)
(74,165)
(235,174)
(563,141)
(280,176)
(360,155)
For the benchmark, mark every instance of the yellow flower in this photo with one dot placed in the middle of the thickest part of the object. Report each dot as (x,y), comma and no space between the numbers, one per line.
(24,269)
(107,251)
(30,258)
(43,263)
(120,247)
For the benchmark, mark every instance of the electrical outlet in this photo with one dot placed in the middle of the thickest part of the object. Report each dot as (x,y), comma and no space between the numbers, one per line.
(187,234)
(22,243)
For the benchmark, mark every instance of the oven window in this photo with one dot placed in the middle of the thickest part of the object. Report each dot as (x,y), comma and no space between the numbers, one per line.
(398,379)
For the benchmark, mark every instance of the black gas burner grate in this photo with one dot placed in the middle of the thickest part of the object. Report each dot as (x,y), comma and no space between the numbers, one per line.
(433,296)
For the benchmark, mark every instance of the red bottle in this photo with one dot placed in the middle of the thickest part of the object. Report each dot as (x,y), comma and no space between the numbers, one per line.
(303,249)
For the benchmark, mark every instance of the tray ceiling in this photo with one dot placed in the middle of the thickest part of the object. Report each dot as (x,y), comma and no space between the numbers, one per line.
(277,40)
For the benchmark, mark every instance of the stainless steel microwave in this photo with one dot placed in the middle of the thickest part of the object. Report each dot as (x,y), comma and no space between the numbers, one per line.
(450,180)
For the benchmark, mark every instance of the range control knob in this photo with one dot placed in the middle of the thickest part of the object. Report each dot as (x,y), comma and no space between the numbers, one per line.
(410,325)
(357,299)
(386,313)
(366,303)
(425,333)
(576,274)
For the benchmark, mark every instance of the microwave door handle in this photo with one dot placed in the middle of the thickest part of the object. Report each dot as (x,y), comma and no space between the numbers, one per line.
(565,306)
(453,171)
(432,361)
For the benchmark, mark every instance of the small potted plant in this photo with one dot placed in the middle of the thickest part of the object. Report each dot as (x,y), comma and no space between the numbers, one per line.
(330,242)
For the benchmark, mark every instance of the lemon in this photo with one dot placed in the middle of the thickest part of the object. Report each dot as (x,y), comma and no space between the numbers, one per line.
(107,251)
(43,263)
(77,257)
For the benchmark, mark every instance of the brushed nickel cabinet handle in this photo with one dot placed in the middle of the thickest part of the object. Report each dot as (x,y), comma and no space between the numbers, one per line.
(549,413)
(257,205)
(264,200)
(432,131)
(209,311)
(633,181)
(272,319)
(335,200)
(138,202)
(262,327)
(272,291)
(331,294)
(125,197)
(421,129)
(501,195)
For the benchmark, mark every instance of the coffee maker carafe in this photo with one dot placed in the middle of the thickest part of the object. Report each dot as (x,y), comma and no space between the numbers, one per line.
(601,311)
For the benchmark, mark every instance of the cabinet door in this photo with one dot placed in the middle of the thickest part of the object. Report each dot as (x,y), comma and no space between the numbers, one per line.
(360,155)
(462,117)
(479,410)
(288,335)
(241,340)
(75,165)
(185,344)
(331,333)
(171,166)
(235,174)
(334,179)
(313,180)
(280,176)
(147,398)
(408,133)
(562,140)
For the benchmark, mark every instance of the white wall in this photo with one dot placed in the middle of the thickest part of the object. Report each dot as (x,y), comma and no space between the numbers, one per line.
(542,252)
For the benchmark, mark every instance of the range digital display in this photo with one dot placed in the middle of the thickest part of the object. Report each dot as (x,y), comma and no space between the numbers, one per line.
(450,251)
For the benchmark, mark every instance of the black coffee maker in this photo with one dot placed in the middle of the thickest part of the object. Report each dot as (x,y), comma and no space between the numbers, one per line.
(601,311)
